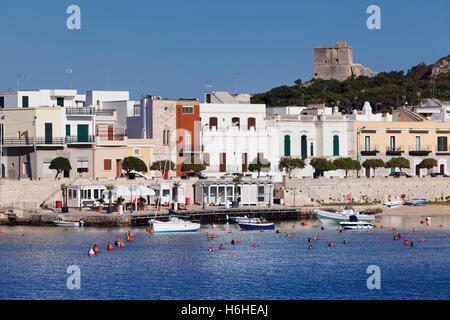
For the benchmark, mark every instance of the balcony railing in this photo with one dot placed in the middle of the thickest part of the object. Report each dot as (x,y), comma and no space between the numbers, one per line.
(89,111)
(111,137)
(394,151)
(420,150)
(372,151)
(48,140)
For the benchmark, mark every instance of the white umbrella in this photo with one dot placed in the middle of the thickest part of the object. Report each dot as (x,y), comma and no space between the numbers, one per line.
(118,191)
(140,190)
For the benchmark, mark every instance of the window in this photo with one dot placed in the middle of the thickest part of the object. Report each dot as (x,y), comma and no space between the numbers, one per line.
(287,146)
(2,102)
(187,141)
(60,102)
(166,136)
(82,164)
(137,152)
(392,145)
(206,159)
(96,193)
(25,102)
(336,145)
(67,130)
(251,122)
(442,143)
(418,144)
(212,122)
(312,149)
(208,98)
(260,193)
(367,143)
(107,165)
(236,122)
(187,110)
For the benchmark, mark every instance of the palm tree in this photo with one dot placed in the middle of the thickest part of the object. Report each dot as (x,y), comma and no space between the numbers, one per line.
(236,181)
(110,187)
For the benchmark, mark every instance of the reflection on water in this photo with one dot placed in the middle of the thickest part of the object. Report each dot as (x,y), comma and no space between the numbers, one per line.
(34,261)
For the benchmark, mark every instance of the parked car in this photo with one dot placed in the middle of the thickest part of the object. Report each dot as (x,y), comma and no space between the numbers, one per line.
(189,174)
(232,175)
(399,174)
(438,174)
(134,175)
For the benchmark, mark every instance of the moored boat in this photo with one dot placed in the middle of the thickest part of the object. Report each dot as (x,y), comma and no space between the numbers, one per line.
(337,217)
(260,224)
(416,202)
(243,219)
(356,225)
(393,204)
(62,223)
(174,224)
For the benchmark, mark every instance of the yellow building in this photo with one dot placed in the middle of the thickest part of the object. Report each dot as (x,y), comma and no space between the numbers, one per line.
(142,149)
(413,139)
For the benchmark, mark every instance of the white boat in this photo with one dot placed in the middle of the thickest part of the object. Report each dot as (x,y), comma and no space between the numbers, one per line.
(174,224)
(393,204)
(356,225)
(337,217)
(244,219)
(62,223)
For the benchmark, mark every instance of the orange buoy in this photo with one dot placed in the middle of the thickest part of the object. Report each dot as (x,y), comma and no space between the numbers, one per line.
(412,244)
(368,232)
(131,234)
(395,237)
(310,247)
(290,235)
(341,231)
(122,245)
(304,223)
(237,240)
(422,222)
(309,240)
(441,225)
(395,229)
(213,236)
(261,230)
(322,228)
(147,229)
(345,241)
(91,252)
(254,243)
(207,233)
(414,229)
(130,239)
(331,244)
(96,249)
(338,229)
(233,242)
(382,227)
(406,241)
(317,238)
(422,239)
(375,226)
(278,231)
(293,227)
(1,231)
(110,247)
(221,246)
(400,235)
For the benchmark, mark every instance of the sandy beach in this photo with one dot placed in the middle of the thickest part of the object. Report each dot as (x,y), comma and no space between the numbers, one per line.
(425,210)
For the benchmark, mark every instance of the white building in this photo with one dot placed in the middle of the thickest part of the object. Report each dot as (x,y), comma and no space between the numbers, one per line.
(233,136)
(366,114)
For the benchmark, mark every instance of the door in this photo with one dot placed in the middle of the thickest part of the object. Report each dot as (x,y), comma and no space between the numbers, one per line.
(110,132)
(83,132)
(244,162)
(304,148)
(223,162)
(442,168)
(287,146)
(368,172)
(335,145)
(417,170)
(48,133)
(118,168)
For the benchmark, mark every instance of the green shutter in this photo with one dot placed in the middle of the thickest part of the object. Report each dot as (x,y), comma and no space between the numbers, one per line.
(25,101)
(442,143)
(287,146)
(83,132)
(48,133)
(335,145)
(67,130)
(304,148)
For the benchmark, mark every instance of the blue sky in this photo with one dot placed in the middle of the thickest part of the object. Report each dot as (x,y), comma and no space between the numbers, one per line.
(170,48)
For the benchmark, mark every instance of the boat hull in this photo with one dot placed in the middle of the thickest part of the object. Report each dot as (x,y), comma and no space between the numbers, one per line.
(173,226)
(66,224)
(256,226)
(393,204)
(337,217)
(358,225)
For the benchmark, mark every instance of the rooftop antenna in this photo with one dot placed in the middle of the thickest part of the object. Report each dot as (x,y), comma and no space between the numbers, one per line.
(208,85)
(236,80)
(69,74)
(18,77)
(142,85)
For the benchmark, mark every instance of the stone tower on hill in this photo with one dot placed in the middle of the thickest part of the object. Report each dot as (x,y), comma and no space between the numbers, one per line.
(336,62)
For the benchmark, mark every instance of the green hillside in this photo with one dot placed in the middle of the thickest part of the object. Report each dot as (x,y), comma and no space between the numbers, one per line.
(385,91)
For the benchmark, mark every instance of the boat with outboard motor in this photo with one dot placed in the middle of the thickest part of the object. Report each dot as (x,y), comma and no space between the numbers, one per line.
(259,224)
(243,219)
(355,224)
(393,204)
(416,202)
(344,216)
(62,223)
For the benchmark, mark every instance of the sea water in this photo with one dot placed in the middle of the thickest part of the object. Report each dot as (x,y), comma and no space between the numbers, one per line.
(35,263)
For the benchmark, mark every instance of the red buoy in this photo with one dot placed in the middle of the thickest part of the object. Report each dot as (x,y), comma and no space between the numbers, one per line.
(414,229)
(254,244)
(406,241)
(412,244)
(345,241)
(96,249)
(278,231)
(221,246)
(147,229)
(237,240)
(110,247)
(310,247)
(399,235)
(395,229)
(323,228)
(331,244)
(317,238)
(395,237)
(422,239)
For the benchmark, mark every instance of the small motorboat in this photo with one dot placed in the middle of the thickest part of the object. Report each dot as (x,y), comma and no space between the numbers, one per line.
(355,224)
(62,223)
(416,202)
(337,217)
(174,224)
(260,224)
(393,204)
(243,219)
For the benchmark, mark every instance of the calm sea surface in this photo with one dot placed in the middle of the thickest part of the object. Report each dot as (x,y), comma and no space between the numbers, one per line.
(34,262)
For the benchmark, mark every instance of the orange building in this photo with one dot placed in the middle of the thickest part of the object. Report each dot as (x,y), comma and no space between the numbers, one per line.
(188,131)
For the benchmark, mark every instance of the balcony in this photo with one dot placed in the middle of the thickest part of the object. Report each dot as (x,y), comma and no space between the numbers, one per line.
(88,111)
(48,141)
(372,151)
(396,151)
(420,151)
(111,139)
